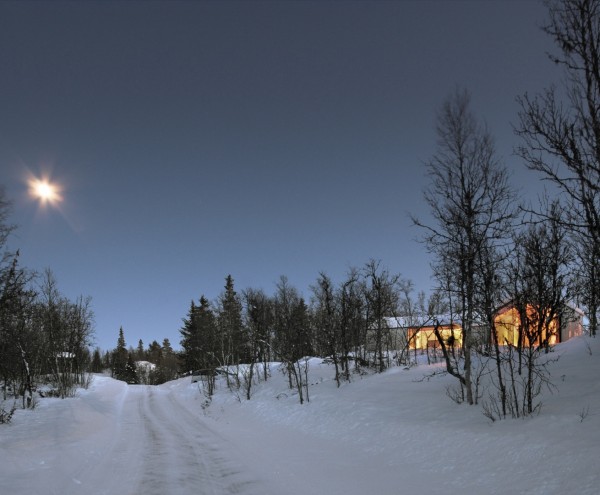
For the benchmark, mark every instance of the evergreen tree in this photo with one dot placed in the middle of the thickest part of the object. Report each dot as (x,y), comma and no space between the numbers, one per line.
(107,360)
(140,352)
(166,347)
(130,371)
(119,357)
(170,363)
(190,340)
(155,353)
(97,361)
(200,343)
(235,344)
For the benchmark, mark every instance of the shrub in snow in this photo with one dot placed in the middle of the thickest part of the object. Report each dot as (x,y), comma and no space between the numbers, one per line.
(6,416)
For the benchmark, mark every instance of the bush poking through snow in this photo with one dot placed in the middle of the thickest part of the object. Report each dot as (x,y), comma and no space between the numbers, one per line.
(6,416)
(584,413)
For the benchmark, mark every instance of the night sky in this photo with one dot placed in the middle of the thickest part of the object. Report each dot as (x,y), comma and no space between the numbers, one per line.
(196,139)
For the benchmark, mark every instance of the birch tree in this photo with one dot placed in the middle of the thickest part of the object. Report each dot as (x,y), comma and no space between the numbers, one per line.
(560,131)
(470,200)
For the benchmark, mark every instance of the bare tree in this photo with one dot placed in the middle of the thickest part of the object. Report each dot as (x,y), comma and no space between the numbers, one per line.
(20,344)
(381,294)
(326,319)
(588,279)
(6,228)
(68,329)
(259,322)
(351,322)
(541,293)
(292,336)
(561,136)
(470,200)
(491,294)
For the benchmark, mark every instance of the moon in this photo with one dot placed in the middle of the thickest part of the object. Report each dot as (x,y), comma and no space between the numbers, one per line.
(44,191)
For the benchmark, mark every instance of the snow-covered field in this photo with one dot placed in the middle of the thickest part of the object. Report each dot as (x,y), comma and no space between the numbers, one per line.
(383,434)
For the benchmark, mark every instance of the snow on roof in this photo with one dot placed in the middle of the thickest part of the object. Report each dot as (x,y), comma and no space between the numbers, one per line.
(421,321)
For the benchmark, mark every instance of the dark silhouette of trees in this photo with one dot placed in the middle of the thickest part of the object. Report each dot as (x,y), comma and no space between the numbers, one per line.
(381,292)
(229,320)
(258,310)
(120,357)
(44,337)
(326,321)
(201,344)
(560,132)
(353,327)
(541,292)
(292,336)
(470,200)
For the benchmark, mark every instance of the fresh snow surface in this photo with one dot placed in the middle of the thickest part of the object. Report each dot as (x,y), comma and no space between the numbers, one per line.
(394,433)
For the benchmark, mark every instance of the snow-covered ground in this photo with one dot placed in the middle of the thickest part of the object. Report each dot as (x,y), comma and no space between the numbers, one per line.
(387,434)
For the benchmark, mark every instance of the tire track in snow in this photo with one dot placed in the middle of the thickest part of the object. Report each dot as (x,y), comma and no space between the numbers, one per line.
(128,440)
(180,455)
(120,466)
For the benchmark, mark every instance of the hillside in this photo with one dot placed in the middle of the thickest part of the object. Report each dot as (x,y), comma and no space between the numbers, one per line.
(388,434)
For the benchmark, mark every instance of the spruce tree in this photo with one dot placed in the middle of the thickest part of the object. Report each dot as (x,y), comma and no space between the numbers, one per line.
(235,344)
(155,353)
(97,361)
(189,340)
(119,357)
(169,361)
(166,347)
(140,352)
(130,371)
(200,342)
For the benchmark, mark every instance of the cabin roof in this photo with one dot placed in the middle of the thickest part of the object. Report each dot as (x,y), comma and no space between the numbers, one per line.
(421,321)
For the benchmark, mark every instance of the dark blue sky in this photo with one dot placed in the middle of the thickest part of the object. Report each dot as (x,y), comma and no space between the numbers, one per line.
(197,139)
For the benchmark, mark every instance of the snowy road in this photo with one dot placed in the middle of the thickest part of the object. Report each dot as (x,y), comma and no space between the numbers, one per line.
(118,439)
(391,433)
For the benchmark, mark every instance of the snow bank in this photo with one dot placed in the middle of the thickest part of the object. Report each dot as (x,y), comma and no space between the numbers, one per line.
(392,433)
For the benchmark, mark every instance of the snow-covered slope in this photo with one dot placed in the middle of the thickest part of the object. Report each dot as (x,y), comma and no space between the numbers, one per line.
(387,434)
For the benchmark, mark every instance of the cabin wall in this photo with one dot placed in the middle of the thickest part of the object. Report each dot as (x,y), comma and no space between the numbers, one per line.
(572,326)
(508,321)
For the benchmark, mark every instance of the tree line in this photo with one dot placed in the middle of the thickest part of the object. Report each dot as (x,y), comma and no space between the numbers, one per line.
(240,334)
(152,366)
(44,336)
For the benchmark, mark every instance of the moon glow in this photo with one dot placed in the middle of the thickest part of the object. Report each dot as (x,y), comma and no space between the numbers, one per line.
(44,191)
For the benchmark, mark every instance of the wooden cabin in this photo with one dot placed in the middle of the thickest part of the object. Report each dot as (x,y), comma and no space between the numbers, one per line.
(559,329)
(419,333)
